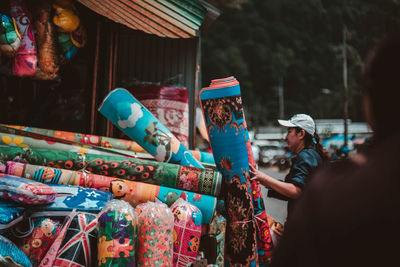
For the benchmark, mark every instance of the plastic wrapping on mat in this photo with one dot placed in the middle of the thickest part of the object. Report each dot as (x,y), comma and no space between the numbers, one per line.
(117,235)
(35,245)
(187,232)
(155,235)
(25,191)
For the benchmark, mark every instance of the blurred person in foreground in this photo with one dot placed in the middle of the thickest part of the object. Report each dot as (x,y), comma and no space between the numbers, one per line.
(349,214)
(303,143)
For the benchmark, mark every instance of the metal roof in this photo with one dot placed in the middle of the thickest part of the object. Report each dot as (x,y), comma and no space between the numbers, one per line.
(164,18)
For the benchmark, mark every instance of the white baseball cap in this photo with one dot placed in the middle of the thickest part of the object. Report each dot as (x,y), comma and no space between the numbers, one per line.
(302,121)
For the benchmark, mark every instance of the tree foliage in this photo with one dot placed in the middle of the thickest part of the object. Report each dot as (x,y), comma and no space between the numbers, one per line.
(300,43)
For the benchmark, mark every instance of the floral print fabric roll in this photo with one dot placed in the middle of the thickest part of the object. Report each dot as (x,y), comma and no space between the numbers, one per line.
(155,238)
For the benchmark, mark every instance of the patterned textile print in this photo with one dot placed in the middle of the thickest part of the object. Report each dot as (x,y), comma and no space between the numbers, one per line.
(221,110)
(173,114)
(241,229)
(225,116)
(264,238)
(116,242)
(186,178)
(38,242)
(187,232)
(78,247)
(218,229)
(155,235)
(159,173)
(196,180)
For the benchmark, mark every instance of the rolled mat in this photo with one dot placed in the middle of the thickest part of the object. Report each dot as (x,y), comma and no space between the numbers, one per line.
(155,226)
(222,108)
(117,225)
(32,140)
(132,192)
(103,141)
(264,238)
(131,117)
(187,232)
(205,181)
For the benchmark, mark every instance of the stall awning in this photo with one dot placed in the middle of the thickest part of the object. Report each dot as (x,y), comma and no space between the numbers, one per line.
(165,18)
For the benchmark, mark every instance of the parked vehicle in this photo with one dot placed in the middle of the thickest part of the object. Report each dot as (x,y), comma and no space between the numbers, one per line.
(270,155)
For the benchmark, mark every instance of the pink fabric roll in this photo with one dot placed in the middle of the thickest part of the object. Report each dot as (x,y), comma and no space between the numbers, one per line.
(25,60)
(187,232)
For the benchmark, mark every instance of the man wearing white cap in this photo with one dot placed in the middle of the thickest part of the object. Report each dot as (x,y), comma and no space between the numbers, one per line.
(303,142)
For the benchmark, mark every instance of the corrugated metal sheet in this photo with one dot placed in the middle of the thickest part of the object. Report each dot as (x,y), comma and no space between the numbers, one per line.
(147,58)
(164,18)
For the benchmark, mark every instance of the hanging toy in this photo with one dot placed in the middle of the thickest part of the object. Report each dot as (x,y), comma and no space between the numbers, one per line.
(66,19)
(25,60)
(10,39)
(79,36)
(66,45)
(48,58)
(71,33)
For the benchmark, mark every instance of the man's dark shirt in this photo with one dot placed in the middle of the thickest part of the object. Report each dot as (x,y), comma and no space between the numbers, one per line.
(349,214)
(303,164)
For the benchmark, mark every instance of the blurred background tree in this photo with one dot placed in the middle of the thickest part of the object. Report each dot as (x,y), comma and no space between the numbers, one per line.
(298,42)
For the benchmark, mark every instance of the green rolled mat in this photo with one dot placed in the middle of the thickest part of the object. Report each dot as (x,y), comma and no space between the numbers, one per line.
(204,181)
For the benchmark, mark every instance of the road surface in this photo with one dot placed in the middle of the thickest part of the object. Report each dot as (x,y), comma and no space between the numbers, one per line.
(275,208)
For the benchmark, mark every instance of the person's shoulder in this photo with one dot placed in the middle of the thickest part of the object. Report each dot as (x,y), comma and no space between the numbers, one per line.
(309,155)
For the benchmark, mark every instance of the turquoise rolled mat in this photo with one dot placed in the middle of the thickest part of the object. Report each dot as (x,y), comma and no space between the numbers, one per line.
(137,122)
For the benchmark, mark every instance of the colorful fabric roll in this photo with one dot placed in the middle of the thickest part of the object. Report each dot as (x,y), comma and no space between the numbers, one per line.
(218,230)
(10,38)
(205,181)
(25,61)
(132,192)
(35,245)
(264,239)
(79,245)
(71,197)
(29,142)
(88,139)
(131,117)
(24,191)
(11,255)
(50,256)
(223,112)
(155,238)
(170,105)
(9,211)
(102,141)
(117,235)
(187,232)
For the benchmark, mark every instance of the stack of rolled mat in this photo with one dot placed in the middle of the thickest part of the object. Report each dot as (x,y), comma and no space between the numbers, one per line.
(221,103)
(132,192)
(137,122)
(16,137)
(205,181)
(103,141)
